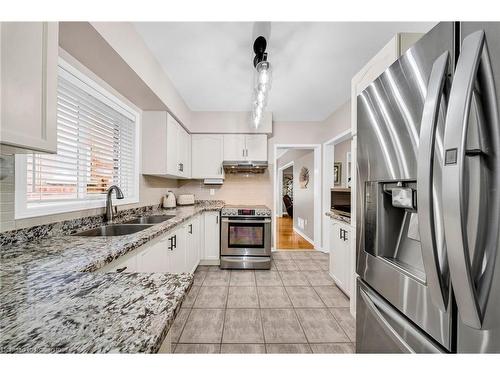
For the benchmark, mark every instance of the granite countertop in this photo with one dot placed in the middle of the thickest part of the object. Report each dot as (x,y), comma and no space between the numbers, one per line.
(335,216)
(51,302)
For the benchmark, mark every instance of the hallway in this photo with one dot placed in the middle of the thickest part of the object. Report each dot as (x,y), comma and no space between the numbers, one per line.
(287,239)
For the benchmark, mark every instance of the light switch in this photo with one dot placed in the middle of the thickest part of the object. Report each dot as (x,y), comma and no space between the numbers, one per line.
(212,191)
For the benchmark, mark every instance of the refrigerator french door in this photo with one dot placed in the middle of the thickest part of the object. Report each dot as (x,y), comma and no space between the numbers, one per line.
(471,187)
(429,195)
(401,252)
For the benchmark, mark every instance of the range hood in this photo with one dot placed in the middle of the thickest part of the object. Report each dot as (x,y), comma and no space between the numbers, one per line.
(244,166)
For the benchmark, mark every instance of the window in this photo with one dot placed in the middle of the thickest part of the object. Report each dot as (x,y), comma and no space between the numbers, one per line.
(97,146)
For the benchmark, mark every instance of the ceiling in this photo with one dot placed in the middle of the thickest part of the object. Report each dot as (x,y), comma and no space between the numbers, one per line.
(210,63)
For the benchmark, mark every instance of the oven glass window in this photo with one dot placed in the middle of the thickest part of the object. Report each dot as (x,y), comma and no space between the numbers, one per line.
(246,235)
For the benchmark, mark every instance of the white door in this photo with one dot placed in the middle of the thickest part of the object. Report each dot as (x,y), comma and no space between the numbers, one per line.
(207,155)
(173,135)
(212,236)
(256,147)
(234,147)
(154,258)
(28,76)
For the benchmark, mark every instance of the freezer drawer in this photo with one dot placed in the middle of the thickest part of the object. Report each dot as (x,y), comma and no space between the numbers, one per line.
(380,328)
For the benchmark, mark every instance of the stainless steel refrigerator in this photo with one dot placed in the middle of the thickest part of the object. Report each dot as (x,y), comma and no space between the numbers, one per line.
(428,197)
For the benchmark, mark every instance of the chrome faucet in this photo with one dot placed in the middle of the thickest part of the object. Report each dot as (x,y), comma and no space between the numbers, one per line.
(109,203)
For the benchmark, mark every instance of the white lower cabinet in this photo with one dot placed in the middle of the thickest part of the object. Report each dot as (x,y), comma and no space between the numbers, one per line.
(340,256)
(179,250)
(211,238)
(154,258)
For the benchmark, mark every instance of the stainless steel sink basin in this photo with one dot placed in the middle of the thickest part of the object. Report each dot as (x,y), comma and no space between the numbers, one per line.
(154,219)
(113,230)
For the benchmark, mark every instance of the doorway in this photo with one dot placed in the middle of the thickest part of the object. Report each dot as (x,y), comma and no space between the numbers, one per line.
(296,198)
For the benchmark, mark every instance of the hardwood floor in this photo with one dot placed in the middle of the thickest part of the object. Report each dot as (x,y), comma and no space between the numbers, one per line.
(287,239)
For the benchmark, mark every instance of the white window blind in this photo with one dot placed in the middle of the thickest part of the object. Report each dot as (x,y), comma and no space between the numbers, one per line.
(95,148)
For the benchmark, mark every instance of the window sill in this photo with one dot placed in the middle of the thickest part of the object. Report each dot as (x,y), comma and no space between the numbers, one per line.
(46,209)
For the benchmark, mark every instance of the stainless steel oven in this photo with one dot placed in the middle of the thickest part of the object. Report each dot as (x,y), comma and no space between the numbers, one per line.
(246,237)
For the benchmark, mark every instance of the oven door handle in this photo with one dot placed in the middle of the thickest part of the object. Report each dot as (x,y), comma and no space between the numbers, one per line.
(266,221)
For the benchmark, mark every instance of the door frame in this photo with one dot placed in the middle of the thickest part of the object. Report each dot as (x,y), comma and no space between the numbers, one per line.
(316,147)
(279,208)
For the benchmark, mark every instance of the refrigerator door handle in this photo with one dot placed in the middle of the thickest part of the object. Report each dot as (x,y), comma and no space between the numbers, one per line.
(434,277)
(473,56)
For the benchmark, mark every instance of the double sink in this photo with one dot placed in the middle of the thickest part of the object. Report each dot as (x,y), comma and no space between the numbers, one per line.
(127,227)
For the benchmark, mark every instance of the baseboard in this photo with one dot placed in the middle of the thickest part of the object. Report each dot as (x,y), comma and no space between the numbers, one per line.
(340,286)
(302,234)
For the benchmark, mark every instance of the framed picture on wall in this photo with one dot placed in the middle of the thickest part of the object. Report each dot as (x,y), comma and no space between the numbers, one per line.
(337,173)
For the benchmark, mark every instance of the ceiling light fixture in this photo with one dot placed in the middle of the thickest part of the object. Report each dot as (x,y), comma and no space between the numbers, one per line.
(262,83)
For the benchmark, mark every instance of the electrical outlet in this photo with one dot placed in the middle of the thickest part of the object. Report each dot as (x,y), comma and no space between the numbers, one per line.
(212,191)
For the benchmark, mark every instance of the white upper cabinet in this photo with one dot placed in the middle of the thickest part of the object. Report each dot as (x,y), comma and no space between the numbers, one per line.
(256,147)
(166,146)
(245,147)
(207,155)
(28,82)
(234,147)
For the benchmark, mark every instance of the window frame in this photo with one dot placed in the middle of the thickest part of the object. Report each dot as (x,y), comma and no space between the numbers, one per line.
(23,209)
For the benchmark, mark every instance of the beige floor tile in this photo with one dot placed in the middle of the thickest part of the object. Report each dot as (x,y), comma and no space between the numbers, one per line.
(197,349)
(243,349)
(273,297)
(288,348)
(319,255)
(332,296)
(281,255)
(219,278)
(286,265)
(308,265)
(203,326)
(242,297)
(199,277)
(281,326)
(324,265)
(346,321)
(294,278)
(303,255)
(242,278)
(191,296)
(242,326)
(332,348)
(318,278)
(320,326)
(211,297)
(178,326)
(304,296)
(268,278)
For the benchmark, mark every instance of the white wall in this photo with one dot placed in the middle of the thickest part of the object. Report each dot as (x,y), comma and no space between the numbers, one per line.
(303,198)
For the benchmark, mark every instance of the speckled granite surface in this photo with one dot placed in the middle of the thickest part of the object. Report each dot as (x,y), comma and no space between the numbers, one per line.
(51,303)
(338,217)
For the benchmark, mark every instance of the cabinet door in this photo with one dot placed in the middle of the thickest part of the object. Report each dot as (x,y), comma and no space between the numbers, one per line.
(212,236)
(173,135)
(154,142)
(192,244)
(177,251)
(154,258)
(28,77)
(207,155)
(256,147)
(234,147)
(186,157)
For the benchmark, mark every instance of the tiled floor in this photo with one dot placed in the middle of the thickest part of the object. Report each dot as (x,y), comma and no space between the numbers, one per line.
(293,308)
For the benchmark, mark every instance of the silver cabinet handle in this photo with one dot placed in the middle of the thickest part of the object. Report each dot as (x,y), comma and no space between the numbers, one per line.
(473,63)
(434,278)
